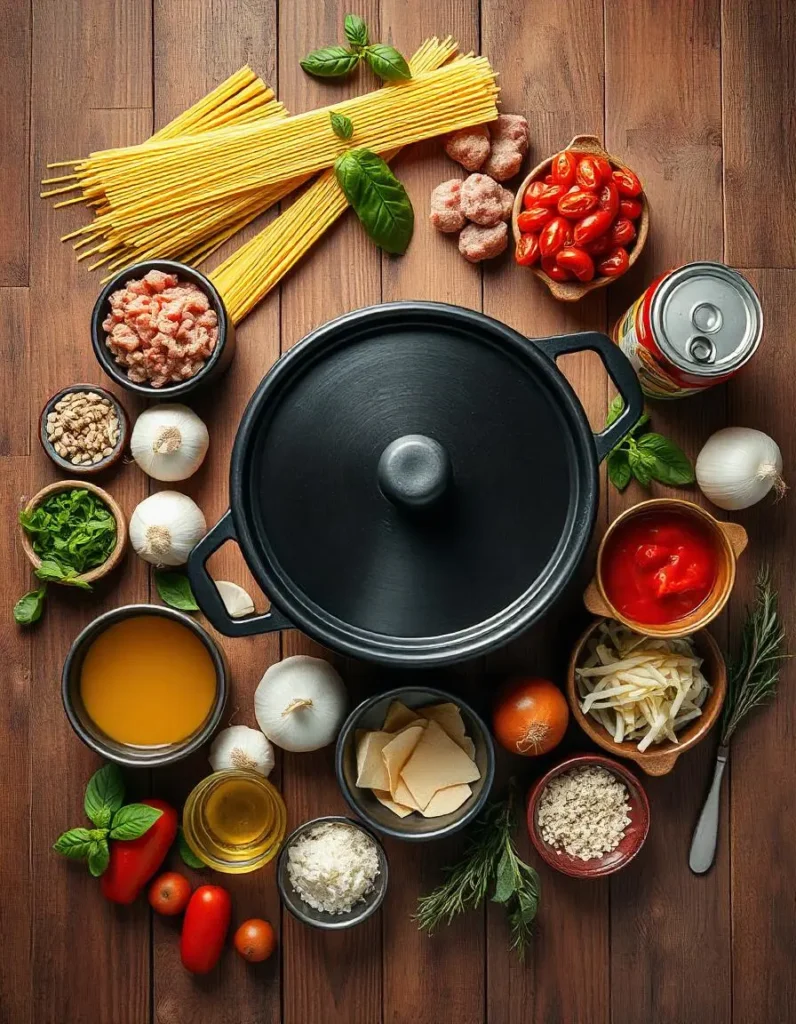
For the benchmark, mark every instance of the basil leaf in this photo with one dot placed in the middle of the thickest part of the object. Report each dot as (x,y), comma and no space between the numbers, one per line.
(74,844)
(330,62)
(638,465)
(187,854)
(342,126)
(133,821)
(50,570)
(104,795)
(666,461)
(356,31)
(505,881)
(29,607)
(614,409)
(98,857)
(619,471)
(174,590)
(387,62)
(377,197)
(642,421)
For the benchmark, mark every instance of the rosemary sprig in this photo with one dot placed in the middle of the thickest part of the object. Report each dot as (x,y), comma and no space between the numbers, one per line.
(752,678)
(490,861)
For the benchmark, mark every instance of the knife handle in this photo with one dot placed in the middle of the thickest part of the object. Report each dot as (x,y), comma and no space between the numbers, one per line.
(706,833)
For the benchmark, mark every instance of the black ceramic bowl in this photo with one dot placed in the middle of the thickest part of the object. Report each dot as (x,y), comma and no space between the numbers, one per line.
(85,469)
(370,714)
(125,753)
(215,365)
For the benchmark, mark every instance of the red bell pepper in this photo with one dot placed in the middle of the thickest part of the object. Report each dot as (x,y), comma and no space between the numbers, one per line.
(134,861)
(204,928)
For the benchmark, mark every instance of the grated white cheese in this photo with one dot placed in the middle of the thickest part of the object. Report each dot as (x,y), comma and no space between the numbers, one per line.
(584,812)
(332,867)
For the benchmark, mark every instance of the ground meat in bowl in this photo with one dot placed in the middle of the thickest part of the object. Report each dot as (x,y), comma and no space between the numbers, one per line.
(161,328)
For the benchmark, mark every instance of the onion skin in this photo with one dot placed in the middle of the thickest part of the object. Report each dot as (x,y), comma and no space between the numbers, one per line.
(530,716)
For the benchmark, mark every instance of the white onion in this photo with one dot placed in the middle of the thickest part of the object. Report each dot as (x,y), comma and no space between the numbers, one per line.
(300,703)
(169,442)
(738,466)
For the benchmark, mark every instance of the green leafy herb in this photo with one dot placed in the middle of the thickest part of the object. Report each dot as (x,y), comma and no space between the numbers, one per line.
(330,62)
(645,455)
(174,589)
(104,795)
(752,678)
(356,31)
(387,62)
(29,607)
(74,844)
(378,198)
(490,862)
(132,821)
(99,855)
(187,854)
(342,126)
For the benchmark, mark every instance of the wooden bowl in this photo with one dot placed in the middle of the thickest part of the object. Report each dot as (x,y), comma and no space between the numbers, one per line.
(121,526)
(632,841)
(730,539)
(661,758)
(571,291)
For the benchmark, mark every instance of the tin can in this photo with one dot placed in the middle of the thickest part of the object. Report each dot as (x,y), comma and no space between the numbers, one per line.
(692,328)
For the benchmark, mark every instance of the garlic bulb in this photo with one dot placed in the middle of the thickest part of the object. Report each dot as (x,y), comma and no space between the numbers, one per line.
(738,466)
(165,527)
(169,442)
(242,747)
(236,600)
(300,703)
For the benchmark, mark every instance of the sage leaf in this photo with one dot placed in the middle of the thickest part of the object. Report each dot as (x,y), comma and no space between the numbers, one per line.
(666,461)
(387,62)
(98,857)
(504,879)
(342,126)
(104,795)
(187,854)
(619,471)
(356,31)
(174,589)
(377,197)
(330,62)
(74,844)
(29,607)
(133,821)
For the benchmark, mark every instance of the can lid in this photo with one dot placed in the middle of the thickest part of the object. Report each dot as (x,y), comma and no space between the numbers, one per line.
(707,319)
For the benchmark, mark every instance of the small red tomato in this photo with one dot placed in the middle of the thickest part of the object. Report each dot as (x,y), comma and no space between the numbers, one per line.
(169,893)
(591,227)
(531,193)
(550,195)
(576,203)
(534,218)
(588,173)
(552,269)
(527,251)
(608,198)
(627,183)
(204,928)
(255,940)
(622,231)
(549,179)
(630,208)
(614,264)
(604,168)
(554,235)
(600,246)
(576,260)
(563,168)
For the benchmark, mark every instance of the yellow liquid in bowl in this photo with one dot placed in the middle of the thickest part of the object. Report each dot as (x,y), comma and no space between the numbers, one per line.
(148,681)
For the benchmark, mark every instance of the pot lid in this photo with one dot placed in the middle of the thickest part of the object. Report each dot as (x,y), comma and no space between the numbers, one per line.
(413,474)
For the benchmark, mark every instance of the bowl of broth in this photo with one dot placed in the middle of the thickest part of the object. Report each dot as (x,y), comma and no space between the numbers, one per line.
(144,685)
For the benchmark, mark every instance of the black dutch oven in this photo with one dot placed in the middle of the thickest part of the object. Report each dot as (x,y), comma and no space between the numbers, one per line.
(414,484)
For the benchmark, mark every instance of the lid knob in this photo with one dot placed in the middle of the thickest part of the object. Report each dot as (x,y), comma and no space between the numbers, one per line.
(414,471)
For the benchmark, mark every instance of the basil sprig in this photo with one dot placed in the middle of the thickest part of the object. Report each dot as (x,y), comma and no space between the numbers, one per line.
(337,61)
(342,126)
(645,455)
(174,589)
(112,819)
(377,197)
(356,31)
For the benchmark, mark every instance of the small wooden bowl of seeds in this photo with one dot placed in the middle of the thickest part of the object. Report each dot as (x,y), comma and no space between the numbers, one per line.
(84,429)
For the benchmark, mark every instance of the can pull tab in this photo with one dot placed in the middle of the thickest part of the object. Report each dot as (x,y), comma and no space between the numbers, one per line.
(701,349)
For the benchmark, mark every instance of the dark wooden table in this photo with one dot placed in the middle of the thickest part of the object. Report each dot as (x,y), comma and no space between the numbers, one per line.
(698,97)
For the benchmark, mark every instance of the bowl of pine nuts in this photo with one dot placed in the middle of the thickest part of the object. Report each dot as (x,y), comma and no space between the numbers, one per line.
(84,429)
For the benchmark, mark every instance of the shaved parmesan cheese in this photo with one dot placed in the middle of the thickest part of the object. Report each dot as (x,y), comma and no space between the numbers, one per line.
(385,798)
(449,718)
(398,717)
(371,769)
(397,752)
(436,763)
(446,801)
(404,797)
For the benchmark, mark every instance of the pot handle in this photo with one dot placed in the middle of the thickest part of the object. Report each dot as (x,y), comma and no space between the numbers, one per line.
(208,597)
(619,370)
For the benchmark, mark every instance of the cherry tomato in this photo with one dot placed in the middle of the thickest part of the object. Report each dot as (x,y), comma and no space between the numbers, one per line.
(588,174)
(255,940)
(608,198)
(622,231)
(614,264)
(550,195)
(531,194)
(600,246)
(204,928)
(554,235)
(549,179)
(604,167)
(552,269)
(630,208)
(627,183)
(527,251)
(576,203)
(563,168)
(534,218)
(591,227)
(169,893)
(576,260)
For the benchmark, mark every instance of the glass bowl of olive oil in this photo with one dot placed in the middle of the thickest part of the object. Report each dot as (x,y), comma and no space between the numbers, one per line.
(235,820)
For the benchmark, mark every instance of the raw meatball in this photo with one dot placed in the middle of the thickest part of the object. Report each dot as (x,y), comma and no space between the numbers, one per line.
(485,202)
(446,211)
(469,146)
(509,146)
(477,243)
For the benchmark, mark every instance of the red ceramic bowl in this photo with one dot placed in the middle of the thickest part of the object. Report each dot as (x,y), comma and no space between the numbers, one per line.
(632,841)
